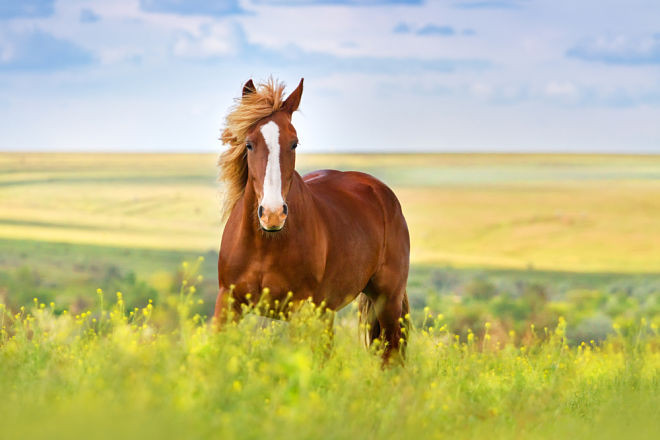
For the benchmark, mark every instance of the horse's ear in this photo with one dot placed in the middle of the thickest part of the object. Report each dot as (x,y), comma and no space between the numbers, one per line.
(249,88)
(293,101)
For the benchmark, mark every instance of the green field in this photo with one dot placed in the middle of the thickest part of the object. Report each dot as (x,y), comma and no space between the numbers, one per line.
(504,247)
(112,374)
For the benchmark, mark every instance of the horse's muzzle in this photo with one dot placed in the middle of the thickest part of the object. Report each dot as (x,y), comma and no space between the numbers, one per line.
(272,220)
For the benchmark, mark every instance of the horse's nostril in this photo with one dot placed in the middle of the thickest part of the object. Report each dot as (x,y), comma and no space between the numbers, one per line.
(260,211)
(285,209)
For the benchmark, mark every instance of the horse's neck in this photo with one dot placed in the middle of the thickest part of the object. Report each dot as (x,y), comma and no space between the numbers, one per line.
(300,222)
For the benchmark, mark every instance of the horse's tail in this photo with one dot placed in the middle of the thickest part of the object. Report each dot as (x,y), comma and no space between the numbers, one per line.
(370,327)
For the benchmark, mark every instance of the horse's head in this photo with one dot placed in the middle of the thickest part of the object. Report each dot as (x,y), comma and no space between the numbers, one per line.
(271,159)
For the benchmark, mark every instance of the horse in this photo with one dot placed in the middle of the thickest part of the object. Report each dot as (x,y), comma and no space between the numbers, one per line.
(330,236)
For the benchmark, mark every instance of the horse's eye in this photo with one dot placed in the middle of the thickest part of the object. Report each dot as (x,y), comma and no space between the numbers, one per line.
(294,145)
(248,145)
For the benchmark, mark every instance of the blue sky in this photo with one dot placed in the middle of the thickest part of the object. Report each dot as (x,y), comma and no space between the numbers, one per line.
(380,75)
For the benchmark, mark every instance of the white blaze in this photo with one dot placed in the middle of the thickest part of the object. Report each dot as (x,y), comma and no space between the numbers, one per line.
(272,193)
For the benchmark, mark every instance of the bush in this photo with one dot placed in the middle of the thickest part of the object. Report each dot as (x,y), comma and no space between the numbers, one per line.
(480,290)
(594,328)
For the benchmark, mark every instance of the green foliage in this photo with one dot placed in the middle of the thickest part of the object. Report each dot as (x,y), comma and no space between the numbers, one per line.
(516,302)
(21,286)
(161,371)
(510,300)
(480,290)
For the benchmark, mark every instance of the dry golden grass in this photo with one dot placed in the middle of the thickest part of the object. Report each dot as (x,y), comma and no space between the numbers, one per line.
(561,212)
(551,226)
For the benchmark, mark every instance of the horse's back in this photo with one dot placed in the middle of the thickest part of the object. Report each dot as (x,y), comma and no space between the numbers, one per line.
(351,183)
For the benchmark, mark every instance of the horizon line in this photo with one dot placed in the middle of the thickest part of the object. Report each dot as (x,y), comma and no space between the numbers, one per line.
(356,152)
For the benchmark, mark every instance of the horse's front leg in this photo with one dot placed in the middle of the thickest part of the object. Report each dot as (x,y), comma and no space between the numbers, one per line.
(227,308)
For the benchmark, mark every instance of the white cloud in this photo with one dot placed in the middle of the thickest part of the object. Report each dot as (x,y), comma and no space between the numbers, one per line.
(212,40)
(561,89)
(6,50)
(481,90)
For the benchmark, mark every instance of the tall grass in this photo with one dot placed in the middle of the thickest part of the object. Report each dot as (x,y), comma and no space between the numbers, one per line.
(161,370)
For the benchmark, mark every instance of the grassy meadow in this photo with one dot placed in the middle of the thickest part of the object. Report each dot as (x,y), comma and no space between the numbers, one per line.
(535,293)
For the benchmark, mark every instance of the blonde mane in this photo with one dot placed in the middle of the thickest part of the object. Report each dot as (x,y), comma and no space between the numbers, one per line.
(248,110)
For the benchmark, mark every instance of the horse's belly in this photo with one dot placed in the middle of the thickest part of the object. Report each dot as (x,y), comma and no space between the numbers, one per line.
(344,282)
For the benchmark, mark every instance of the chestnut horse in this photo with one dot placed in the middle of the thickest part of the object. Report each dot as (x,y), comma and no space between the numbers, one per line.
(328,236)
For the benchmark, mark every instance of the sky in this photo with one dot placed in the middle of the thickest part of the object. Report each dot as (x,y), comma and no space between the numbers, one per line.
(380,75)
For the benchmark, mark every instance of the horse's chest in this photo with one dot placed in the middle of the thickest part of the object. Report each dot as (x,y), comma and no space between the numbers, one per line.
(279,274)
